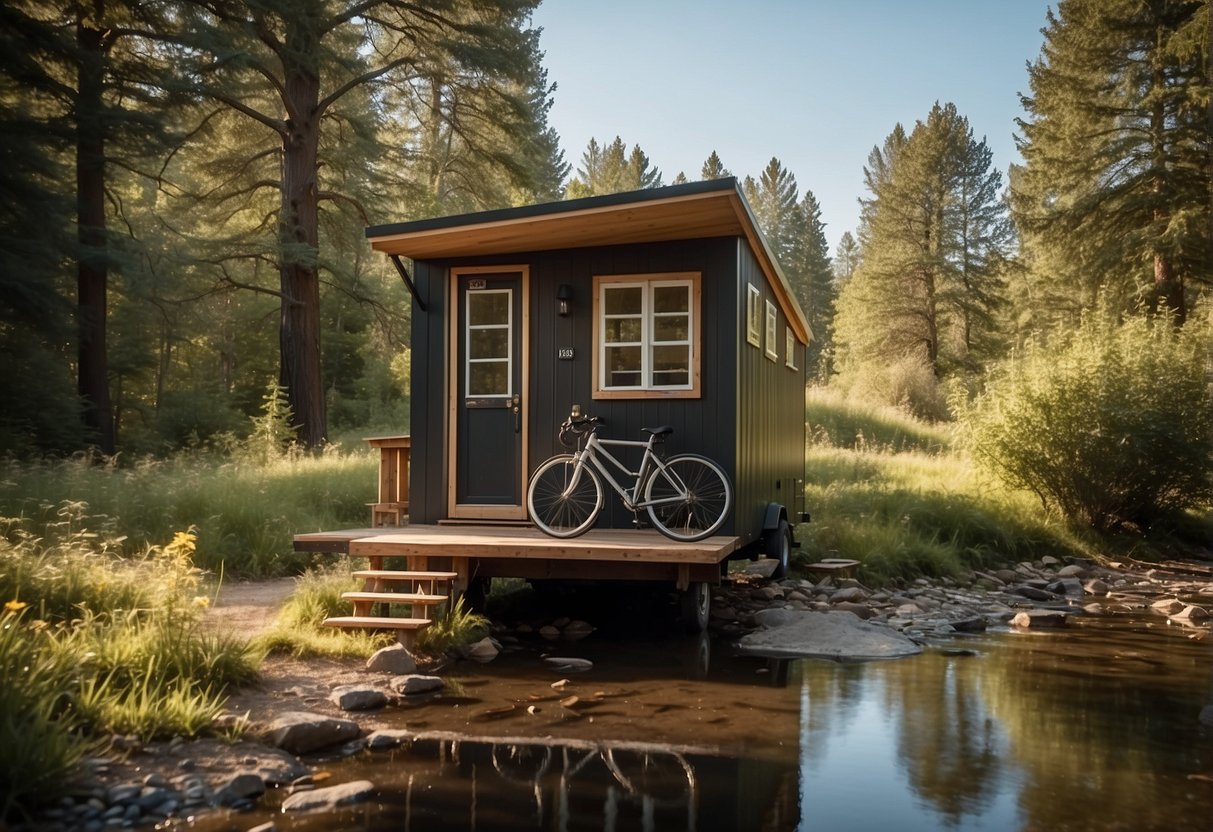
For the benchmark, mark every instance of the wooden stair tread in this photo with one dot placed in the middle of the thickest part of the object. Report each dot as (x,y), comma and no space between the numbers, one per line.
(396,597)
(405,575)
(377,621)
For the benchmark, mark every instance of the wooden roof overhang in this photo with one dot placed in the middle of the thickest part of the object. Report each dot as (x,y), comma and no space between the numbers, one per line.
(696,210)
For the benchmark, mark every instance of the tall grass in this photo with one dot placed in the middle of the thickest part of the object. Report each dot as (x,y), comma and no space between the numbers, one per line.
(834,419)
(92,645)
(245,513)
(889,491)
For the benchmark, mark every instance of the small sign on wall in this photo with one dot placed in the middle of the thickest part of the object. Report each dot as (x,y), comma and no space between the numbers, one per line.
(565,354)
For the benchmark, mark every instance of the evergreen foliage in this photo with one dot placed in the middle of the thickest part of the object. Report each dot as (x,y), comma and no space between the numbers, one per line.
(1113,198)
(934,242)
(713,168)
(1110,424)
(612,169)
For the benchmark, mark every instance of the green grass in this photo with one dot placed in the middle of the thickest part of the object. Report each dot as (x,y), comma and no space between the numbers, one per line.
(245,514)
(833,419)
(92,645)
(891,492)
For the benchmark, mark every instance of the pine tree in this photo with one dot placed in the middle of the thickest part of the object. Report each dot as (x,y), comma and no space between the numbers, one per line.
(612,169)
(308,80)
(930,276)
(814,284)
(774,198)
(1115,187)
(846,259)
(98,90)
(713,168)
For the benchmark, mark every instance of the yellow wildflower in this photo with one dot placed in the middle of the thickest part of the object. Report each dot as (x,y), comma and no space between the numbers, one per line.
(15,606)
(201,601)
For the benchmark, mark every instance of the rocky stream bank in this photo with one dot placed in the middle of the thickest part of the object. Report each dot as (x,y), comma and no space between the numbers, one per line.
(307,712)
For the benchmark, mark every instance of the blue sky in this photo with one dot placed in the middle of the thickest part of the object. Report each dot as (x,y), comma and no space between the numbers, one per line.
(816,83)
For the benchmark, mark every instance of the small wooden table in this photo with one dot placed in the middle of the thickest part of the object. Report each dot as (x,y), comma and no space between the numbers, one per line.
(393,504)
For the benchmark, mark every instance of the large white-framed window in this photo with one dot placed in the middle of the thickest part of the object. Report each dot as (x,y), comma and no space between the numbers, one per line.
(647,335)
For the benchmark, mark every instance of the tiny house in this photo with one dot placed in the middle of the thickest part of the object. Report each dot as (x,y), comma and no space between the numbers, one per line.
(656,307)
(660,307)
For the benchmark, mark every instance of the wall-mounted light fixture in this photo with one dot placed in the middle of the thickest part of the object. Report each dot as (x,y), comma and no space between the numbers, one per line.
(564,299)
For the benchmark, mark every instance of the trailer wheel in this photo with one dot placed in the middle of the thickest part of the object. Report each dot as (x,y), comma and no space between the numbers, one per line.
(696,603)
(777,544)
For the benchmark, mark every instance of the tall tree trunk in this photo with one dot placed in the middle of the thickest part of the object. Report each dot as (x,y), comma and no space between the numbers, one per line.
(92,272)
(299,331)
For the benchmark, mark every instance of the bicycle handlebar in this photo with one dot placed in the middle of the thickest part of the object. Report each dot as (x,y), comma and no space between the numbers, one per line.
(575,427)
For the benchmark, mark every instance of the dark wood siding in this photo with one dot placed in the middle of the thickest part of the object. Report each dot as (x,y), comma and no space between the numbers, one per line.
(749,416)
(428,405)
(770,409)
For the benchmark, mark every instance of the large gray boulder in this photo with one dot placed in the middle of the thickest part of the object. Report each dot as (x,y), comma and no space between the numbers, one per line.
(327,799)
(300,732)
(824,635)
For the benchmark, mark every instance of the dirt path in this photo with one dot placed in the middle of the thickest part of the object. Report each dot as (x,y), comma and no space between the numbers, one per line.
(247,607)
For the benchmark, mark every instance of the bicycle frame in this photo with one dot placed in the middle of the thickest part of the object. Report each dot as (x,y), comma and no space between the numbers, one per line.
(650,464)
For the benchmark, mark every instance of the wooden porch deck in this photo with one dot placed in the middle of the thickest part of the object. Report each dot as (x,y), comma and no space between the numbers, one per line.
(516,542)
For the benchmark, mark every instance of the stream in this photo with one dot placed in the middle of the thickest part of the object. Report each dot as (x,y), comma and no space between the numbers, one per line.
(1095,726)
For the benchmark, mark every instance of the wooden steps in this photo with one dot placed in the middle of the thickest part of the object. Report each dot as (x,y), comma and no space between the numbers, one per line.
(418,598)
(395,575)
(377,622)
(421,590)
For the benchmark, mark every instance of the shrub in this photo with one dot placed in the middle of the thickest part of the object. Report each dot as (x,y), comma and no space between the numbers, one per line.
(1110,424)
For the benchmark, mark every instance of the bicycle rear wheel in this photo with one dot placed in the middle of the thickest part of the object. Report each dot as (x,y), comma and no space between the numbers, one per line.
(693,497)
(557,509)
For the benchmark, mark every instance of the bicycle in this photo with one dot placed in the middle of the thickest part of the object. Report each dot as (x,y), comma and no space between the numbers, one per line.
(688,497)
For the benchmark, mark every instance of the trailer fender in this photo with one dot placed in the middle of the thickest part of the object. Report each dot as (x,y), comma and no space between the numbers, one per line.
(775,512)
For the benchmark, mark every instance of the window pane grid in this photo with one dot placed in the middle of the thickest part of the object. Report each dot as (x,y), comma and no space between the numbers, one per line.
(488,348)
(658,349)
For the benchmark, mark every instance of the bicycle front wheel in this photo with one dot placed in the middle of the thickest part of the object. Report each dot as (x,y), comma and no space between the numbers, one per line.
(562,501)
(689,498)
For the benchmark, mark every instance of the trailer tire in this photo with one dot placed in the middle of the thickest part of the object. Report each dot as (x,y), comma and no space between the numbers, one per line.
(777,544)
(696,603)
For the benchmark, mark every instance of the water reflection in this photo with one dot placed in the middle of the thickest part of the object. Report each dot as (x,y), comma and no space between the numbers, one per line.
(1094,727)
(1091,728)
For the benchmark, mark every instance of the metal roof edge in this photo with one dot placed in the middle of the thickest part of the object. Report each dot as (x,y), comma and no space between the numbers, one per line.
(567,206)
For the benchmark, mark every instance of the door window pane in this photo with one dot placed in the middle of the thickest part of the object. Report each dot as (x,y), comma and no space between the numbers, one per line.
(488,358)
(489,343)
(489,307)
(489,378)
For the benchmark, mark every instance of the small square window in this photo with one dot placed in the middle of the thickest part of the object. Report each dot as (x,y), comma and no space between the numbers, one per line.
(772,327)
(646,336)
(753,315)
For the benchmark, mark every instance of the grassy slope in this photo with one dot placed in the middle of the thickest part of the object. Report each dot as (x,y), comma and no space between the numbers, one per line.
(895,494)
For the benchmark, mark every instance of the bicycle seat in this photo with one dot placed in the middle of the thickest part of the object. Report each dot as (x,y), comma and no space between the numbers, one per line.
(664,430)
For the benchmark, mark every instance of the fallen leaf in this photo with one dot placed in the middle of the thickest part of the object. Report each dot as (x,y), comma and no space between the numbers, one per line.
(561,685)
(569,701)
(494,713)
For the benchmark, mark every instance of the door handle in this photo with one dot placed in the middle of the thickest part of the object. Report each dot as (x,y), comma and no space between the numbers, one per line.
(517,405)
